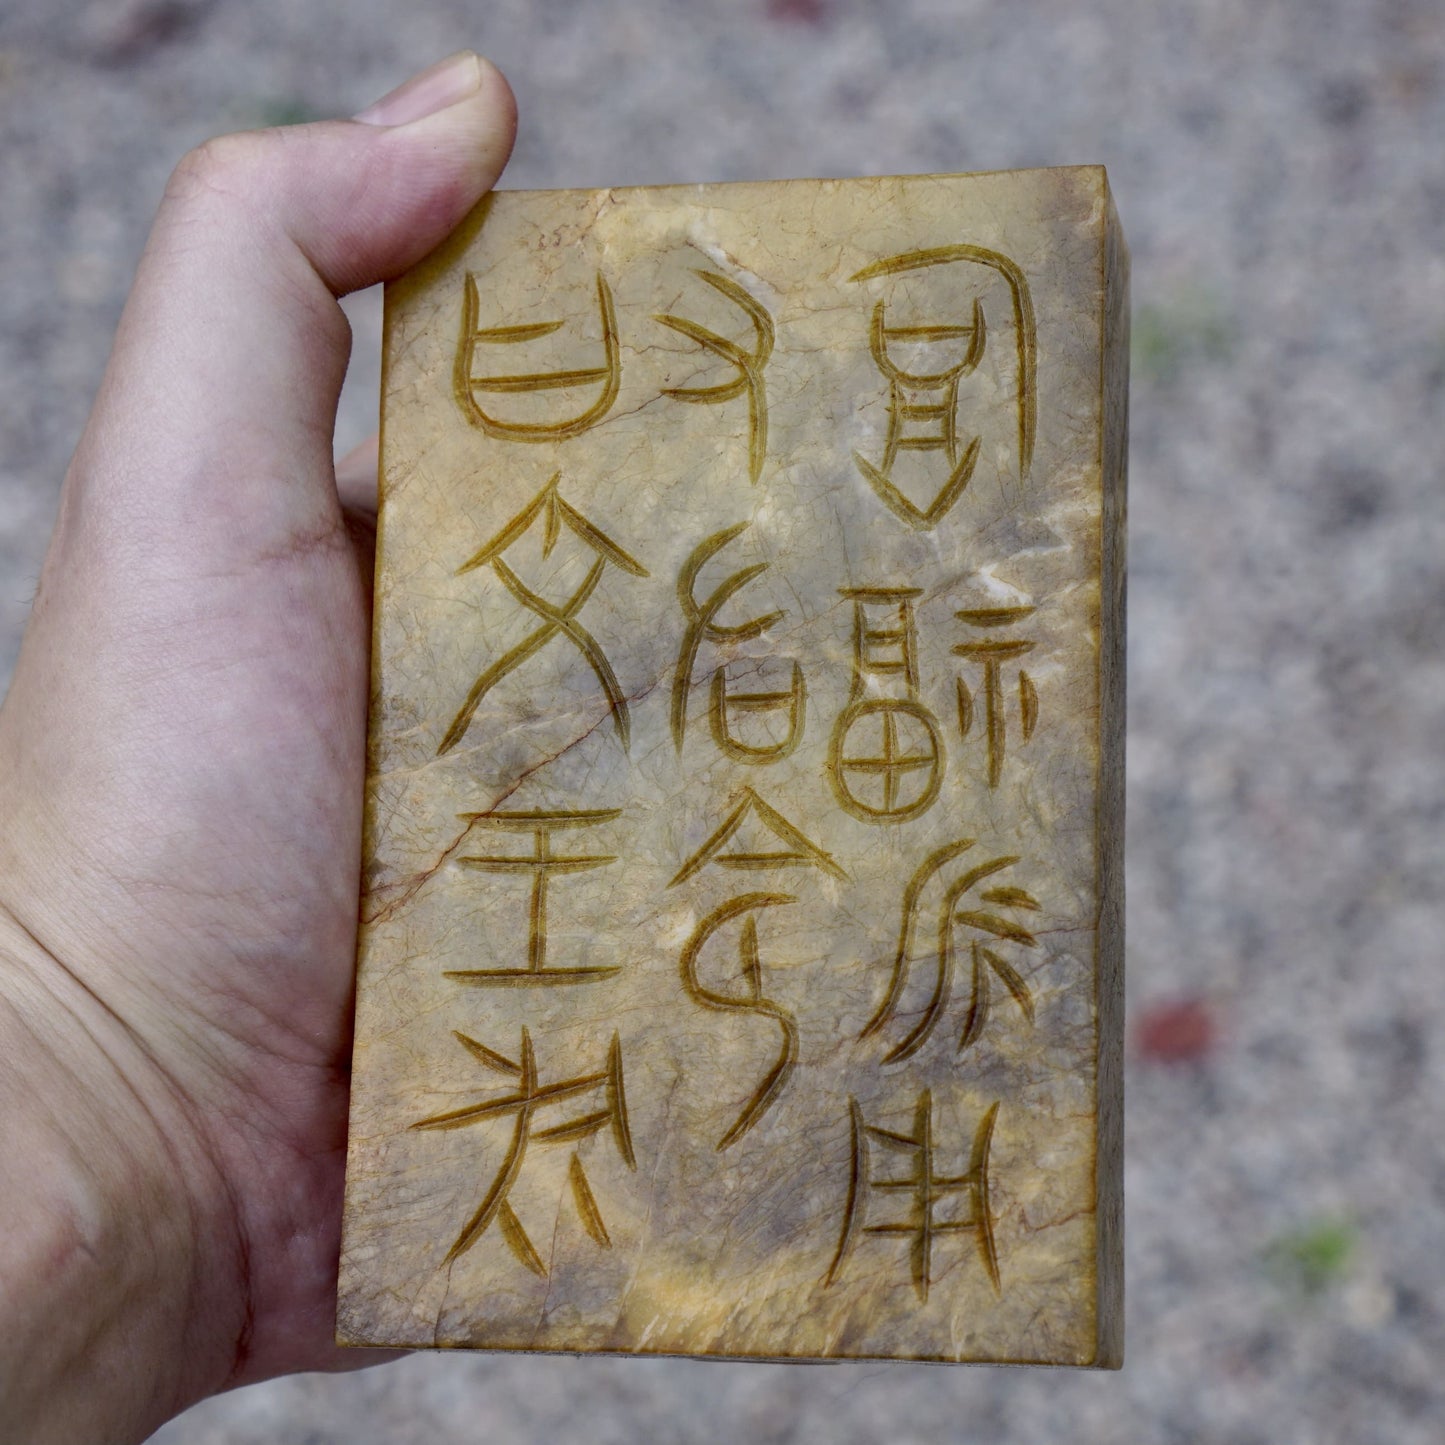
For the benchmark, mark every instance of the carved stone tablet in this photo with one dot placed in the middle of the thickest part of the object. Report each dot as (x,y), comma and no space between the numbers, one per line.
(740,962)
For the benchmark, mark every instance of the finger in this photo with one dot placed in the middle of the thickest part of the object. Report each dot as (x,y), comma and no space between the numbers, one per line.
(211,437)
(356,477)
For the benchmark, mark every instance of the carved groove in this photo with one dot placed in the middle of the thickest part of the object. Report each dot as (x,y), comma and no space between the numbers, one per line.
(924,1189)
(517,1241)
(943,959)
(799,851)
(752,1002)
(542,863)
(557,620)
(522,1105)
(466,385)
(701,617)
(586,1202)
(749,364)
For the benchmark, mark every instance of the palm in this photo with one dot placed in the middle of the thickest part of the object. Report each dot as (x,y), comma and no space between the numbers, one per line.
(211,751)
(276,743)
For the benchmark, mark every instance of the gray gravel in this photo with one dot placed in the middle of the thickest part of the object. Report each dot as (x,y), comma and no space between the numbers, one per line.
(1281,175)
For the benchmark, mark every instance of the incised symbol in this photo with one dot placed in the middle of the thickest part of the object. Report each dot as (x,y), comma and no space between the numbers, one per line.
(702,625)
(900,777)
(748,363)
(986,961)
(798,850)
(557,620)
(541,863)
(751,1000)
(993,653)
(928,399)
(724,705)
(924,1189)
(528,1099)
(467,386)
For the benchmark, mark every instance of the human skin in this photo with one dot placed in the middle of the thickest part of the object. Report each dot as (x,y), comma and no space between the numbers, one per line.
(181,778)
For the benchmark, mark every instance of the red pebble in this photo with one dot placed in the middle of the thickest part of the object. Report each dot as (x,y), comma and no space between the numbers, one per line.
(1182,1032)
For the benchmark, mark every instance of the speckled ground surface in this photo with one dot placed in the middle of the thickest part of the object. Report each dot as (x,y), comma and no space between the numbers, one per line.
(1281,175)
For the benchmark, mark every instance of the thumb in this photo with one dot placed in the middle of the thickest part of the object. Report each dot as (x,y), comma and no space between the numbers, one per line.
(211,435)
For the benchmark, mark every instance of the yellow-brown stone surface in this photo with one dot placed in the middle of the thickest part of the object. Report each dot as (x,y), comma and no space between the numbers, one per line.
(739,970)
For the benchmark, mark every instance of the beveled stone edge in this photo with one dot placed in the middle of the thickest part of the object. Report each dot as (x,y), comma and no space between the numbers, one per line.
(737,1358)
(1109,845)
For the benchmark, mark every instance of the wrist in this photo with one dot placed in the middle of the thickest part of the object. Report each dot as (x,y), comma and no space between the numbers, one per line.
(109,1262)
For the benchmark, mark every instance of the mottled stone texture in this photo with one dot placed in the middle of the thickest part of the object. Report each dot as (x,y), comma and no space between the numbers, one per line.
(740,962)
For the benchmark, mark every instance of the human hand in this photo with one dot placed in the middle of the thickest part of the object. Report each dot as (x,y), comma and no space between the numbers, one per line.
(181,778)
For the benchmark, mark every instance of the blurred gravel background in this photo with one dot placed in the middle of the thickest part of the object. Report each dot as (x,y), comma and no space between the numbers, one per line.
(1281,175)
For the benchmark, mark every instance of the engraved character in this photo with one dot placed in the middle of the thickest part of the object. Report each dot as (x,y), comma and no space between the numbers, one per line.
(924,1189)
(797,851)
(993,653)
(529,1098)
(923,388)
(900,777)
(470,388)
(990,928)
(749,1001)
(747,361)
(703,626)
(726,704)
(558,620)
(542,863)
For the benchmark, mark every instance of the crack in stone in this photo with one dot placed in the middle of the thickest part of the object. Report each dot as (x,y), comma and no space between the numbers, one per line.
(418,881)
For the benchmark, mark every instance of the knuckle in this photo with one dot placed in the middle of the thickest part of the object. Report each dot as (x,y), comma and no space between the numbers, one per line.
(226,168)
